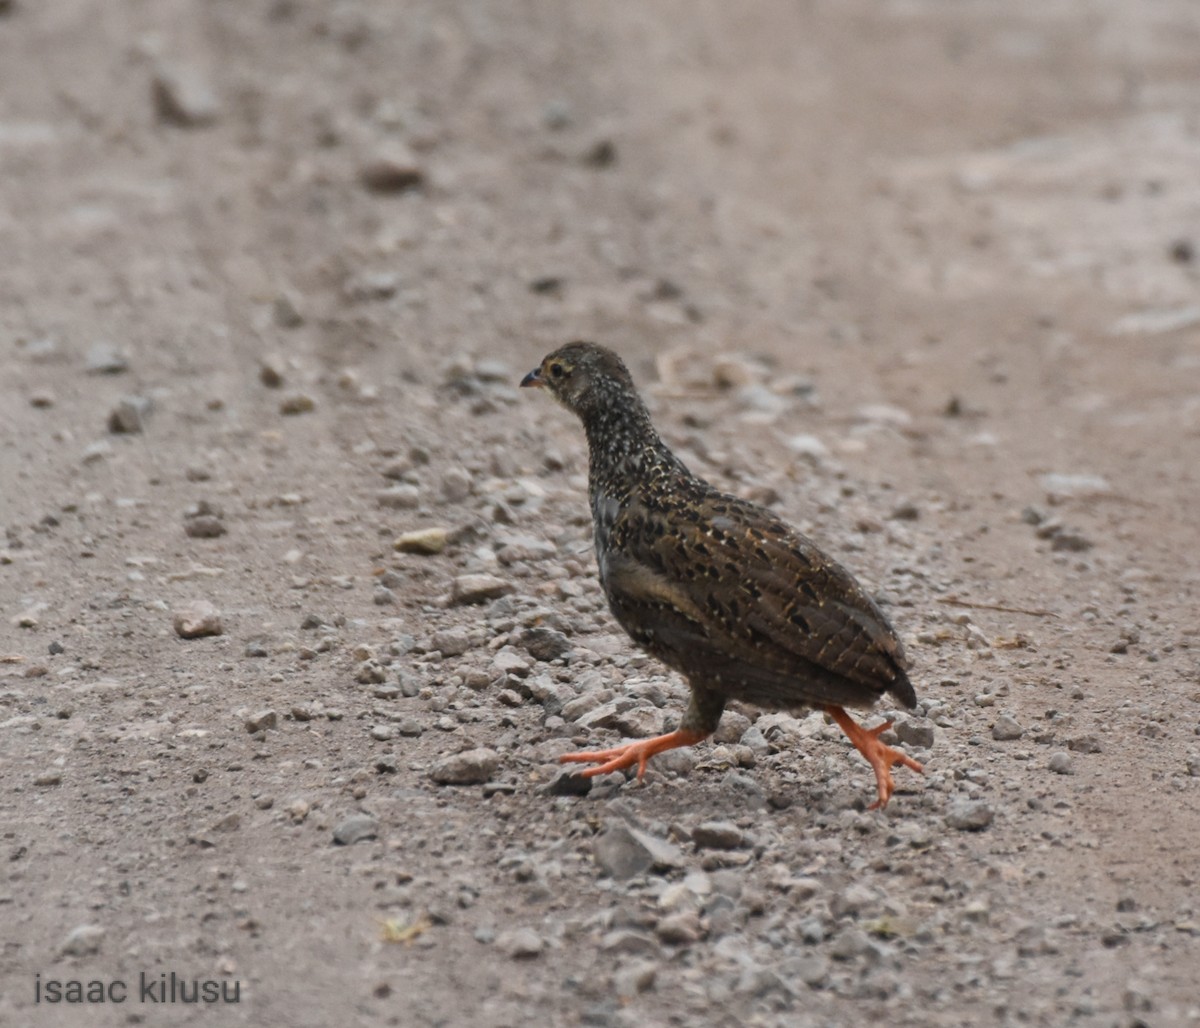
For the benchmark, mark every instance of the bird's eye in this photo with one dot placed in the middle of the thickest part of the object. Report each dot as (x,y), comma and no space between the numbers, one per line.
(556,371)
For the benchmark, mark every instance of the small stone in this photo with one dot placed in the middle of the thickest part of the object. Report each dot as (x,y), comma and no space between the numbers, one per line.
(197,620)
(1193,765)
(851,942)
(129,415)
(520,943)
(428,541)
(399,497)
(393,170)
(601,154)
(287,312)
(1006,729)
(370,672)
(272,371)
(1084,744)
(355,828)
(383,733)
(371,285)
(915,731)
(642,722)
(680,929)
(508,661)
(1059,486)
(96,451)
(204,526)
(47,778)
(569,782)
(626,940)
(105,359)
(545,643)
(83,941)
(452,642)
(635,978)
(479,588)
(261,721)
(557,115)
(718,835)
(622,851)
(183,97)
(1061,763)
(969,815)
(456,485)
(297,403)
(42,399)
(472,767)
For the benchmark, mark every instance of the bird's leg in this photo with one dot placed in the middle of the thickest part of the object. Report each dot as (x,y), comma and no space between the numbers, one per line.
(879,755)
(699,722)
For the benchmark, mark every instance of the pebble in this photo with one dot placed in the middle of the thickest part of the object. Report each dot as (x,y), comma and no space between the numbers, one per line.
(471,767)
(399,497)
(679,929)
(287,312)
(83,941)
(622,852)
(428,541)
(1006,729)
(456,485)
(640,722)
(197,619)
(184,97)
(297,403)
(969,815)
(525,547)
(850,943)
(627,940)
(105,359)
(96,451)
(508,661)
(1061,763)
(261,721)
(1059,486)
(718,835)
(915,732)
(732,728)
(392,170)
(204,526)
(129,415)
(1084,744)
(520,943)
(568,782)
(355,828)
(452,642)
(478,588)
(545,643)
(51,777)
(635,978)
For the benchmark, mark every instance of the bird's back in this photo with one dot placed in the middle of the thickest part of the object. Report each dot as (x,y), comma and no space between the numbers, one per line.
(735,599)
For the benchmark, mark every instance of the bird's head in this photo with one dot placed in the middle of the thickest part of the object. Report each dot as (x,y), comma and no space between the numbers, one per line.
(582,376)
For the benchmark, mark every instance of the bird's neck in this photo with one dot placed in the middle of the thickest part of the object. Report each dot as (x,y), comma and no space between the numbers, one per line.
(624,448)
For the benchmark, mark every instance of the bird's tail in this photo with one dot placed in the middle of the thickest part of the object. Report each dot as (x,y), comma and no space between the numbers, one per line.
(902,689)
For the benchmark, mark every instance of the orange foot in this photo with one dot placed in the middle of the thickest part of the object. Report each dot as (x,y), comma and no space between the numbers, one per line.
(631,753)
(880,756)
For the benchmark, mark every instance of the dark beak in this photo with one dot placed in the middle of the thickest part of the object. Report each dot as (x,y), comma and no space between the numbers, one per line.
(534,378)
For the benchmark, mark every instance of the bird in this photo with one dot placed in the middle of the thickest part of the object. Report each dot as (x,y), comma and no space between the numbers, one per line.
(744,606)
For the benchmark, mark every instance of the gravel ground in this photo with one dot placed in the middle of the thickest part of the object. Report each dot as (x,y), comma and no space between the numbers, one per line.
(297,599)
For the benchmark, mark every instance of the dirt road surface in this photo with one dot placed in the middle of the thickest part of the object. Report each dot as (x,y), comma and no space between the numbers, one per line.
(921,275)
